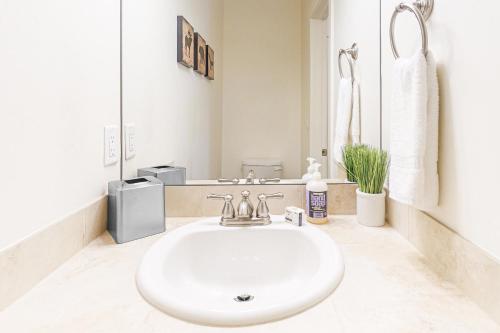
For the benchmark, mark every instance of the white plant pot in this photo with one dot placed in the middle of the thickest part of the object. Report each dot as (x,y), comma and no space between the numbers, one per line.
(370,209)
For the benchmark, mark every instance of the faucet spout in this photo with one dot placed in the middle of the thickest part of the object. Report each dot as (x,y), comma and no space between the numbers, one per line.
(250,177)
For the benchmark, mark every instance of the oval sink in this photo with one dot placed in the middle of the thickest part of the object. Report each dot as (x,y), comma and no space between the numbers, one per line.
(230,276)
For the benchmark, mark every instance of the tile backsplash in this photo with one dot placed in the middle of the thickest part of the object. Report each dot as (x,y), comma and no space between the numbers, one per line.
(27,262)
(191,201)
(451,256)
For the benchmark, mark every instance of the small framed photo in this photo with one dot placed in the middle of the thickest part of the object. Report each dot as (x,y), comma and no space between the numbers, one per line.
(185,42)
(210,73)
(200,54)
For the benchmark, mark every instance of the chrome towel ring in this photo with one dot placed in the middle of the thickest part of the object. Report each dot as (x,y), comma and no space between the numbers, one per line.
(351,54)
(422,10)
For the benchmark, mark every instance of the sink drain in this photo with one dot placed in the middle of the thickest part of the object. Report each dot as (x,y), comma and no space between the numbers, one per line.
(243,298)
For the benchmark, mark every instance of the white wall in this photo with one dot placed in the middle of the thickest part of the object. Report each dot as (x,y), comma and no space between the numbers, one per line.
(462,38)
(177,112)
(59,87)
(262,84)
(358,21)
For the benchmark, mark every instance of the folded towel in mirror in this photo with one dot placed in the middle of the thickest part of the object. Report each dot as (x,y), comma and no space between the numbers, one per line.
(355,118)
(343,118)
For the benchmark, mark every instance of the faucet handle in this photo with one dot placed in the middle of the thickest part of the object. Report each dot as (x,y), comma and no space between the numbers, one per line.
(226,197)
(263,197)
(226,180)
(269,180)
(228,209)
(262,208)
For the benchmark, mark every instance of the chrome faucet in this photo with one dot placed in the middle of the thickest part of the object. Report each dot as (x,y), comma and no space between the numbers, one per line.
(244,216)
(249,180)
(250,177)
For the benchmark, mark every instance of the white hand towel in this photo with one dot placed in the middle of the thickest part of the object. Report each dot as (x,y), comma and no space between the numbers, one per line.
(413,177)
(429,197)
(355,121)
(343,119)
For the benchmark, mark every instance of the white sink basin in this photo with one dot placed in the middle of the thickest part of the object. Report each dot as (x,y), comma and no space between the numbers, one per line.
(196,272)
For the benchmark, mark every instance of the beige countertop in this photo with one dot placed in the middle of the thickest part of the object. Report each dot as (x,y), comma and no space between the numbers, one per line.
(387,287)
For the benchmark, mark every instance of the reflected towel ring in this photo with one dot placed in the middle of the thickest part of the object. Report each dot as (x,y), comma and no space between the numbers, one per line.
(343,52)
(421,21)
(351,54)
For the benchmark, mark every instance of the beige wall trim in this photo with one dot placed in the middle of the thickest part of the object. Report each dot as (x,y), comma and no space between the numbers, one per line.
(451,256)
(190,201)
(24,264)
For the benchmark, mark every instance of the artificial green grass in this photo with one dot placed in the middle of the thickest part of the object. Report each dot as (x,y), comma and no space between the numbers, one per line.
(367,166)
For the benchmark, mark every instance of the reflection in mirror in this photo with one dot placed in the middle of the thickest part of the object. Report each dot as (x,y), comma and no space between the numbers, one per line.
(346,16)
(266,96)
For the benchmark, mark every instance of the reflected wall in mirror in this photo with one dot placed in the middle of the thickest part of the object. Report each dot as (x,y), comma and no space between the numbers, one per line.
(273,102)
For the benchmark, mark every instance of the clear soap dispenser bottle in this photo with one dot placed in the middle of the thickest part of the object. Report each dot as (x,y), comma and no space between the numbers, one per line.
(316,198)
(310,169)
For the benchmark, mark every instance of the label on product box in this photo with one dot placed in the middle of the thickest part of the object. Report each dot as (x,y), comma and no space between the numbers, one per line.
(294,215)
(316,204)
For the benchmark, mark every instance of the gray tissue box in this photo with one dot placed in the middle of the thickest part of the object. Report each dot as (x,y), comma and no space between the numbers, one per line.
(169,175)
(136,208)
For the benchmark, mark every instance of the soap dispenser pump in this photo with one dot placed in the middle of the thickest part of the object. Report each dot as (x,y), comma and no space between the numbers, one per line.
(316,198)
(310,169)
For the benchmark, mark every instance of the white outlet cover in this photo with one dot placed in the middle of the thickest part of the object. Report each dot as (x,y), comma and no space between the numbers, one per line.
(130,147)
(111,146)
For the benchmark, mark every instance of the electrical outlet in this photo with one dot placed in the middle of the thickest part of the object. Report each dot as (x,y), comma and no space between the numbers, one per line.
(111,145)
(129,141)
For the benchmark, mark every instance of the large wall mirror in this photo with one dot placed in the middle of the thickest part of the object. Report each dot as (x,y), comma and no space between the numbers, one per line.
(274,96)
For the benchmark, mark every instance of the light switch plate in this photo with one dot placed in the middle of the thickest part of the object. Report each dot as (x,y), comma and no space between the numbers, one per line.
(111,149)
(130,147)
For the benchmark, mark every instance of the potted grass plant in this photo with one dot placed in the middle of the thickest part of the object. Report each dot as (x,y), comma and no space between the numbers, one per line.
(368,167)
(349,154)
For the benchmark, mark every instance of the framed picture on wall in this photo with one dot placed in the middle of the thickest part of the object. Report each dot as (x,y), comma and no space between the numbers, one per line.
(210,72)
(200,54)
(185,42)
